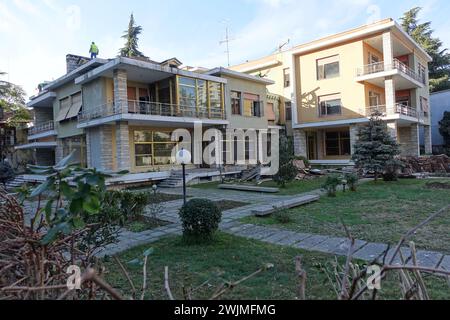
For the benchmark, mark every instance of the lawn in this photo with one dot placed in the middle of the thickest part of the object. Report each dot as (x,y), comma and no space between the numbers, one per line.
(231,258)
(378,211)
(292,188)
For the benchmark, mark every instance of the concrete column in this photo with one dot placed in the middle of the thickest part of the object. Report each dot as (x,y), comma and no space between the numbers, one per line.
(428,139)
(120,91)
(388,50)
(300,148)
(123,160)
(59,152)
(88,148)
(390,95)
(392,129)
(354,131)
(408,137)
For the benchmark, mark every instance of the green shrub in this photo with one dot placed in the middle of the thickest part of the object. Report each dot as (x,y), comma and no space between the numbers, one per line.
(200,218)
(331,184)
(130,205)
(282,216)
(305,160)
(352,180)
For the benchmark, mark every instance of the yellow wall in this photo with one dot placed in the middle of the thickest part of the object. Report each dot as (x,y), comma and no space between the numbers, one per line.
(310,89)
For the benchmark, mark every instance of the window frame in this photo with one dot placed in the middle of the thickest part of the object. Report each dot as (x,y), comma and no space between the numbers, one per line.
(152,143)
(340,140)
(287,77)
(321,72)
(237,99)
(331,97)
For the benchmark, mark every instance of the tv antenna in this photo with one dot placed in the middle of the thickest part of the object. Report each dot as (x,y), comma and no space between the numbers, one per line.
(227,41)
(281,46)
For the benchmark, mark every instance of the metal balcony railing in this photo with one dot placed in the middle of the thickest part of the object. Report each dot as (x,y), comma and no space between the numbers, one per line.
(151,108)
(395,65)
(398,109)
(42,127)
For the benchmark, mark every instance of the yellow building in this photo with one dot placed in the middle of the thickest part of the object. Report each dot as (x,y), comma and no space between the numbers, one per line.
(332,85)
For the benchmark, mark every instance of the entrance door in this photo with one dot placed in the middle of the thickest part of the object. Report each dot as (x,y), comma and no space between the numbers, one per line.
(312,145)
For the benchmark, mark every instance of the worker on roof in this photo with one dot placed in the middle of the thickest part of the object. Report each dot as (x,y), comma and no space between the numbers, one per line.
(93,50)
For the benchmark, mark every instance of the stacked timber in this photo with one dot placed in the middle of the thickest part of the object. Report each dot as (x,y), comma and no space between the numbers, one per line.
(429,164)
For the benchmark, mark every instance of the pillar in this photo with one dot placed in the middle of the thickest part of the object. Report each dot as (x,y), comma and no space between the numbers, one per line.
(428,139)
(300,148)
(354,131)
(120,91)
(123,160)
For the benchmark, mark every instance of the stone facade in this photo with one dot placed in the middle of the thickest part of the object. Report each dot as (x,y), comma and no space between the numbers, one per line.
(99,142)
(59,151)
(408,137)
(300,146)
(123,146)
(354,131)
(120,91)
(73,62)
(427,139)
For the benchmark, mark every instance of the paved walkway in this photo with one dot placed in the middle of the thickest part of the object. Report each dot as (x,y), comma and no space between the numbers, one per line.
(230,224)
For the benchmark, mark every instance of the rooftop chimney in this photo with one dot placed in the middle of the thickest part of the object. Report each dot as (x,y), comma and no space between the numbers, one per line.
(73,62)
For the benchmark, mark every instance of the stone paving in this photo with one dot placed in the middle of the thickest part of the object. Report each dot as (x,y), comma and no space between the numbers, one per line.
(230,224)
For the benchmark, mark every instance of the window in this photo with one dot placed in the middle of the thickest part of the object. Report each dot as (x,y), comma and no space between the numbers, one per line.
(328,68)
(287,77)
(252,105)
(422,73)
(236,102)
(337,143)
(187,92)
(330,105)
(374,99)
(215,97)
(288,110)
(152,148)
(373,58)
(424,107)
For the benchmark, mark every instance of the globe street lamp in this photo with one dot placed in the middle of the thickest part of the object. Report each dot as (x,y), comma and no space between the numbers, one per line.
(184,157)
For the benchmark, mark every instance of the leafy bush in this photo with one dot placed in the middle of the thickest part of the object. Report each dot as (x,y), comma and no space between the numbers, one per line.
(352,180)
(331,184)
(282,216)
(200,218)
(391,170)
(129,205)
(6,172)
(287,171)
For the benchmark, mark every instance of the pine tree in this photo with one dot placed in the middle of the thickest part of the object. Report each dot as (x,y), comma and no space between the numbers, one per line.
(444,130)
(131,36)
(375,150)
(422,33)
(287,171)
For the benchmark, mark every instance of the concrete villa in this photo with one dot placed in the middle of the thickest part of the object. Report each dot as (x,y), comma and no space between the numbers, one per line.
(333,85)
(118,114)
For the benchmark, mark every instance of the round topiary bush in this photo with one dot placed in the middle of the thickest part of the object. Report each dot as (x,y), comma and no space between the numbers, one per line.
(200,218)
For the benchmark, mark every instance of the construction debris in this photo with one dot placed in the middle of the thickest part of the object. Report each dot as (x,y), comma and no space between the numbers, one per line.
(428,164)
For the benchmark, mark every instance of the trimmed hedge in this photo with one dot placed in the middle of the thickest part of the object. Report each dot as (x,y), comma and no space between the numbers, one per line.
(200,218)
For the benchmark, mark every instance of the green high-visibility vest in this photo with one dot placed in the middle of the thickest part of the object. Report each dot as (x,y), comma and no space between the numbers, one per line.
(94,48)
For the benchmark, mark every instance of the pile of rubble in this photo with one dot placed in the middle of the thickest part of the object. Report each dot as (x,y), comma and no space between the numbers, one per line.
(429,164)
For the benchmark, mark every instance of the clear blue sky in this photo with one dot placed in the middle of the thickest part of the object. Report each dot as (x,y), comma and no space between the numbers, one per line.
(35,35)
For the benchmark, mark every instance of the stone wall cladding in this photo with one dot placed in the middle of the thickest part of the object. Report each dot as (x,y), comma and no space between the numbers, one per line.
(300,148)
(122,146)
(354,131)
(120,91)
(59,151)
(427,139)
(408,138)
(106,156)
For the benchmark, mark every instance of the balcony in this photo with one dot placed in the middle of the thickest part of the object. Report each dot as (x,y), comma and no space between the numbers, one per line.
(150,111)
(375,73)
(42,130)
(398,110)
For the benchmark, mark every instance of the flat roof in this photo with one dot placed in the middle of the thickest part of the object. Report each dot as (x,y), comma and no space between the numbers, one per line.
(135,67)
(240,75)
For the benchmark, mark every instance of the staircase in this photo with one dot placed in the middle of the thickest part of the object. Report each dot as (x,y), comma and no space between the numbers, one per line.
(174,181)
(17,182)
(176,177)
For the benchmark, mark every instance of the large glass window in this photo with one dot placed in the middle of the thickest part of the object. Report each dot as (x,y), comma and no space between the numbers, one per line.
(153,148)
(287,77)
(337,143)
(215,97)
(187,92)
(330,105)
(328,68)
(236,102)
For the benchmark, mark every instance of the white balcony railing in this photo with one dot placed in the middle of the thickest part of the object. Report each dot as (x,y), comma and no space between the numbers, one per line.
(151,108)
(395,65)
(398,109)
(42,127)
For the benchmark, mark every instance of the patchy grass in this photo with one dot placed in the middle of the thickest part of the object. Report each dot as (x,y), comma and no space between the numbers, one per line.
(230,258)
(163,197)
(378,211)
(144,223)
(225,205)
(292,188)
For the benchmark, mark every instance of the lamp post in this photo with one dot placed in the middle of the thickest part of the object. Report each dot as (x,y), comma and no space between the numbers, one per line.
(184,157)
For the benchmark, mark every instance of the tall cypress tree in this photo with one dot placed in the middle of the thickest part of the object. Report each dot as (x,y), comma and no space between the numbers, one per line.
(422,33)
(131,36)
(375,149)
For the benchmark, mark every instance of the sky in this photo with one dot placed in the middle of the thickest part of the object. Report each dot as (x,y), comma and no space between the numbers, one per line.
(36,35)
